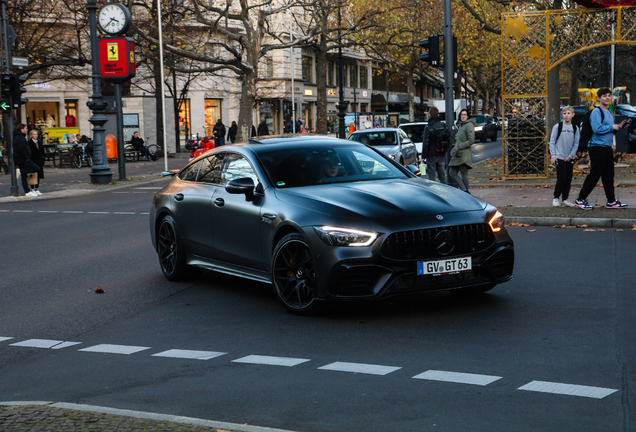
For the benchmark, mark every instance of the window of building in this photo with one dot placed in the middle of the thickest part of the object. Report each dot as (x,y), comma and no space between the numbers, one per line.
(330,81)
(70,113)
(308,63)
(269,63)
(364,77)
(353,76)
(212,114)
(184,118)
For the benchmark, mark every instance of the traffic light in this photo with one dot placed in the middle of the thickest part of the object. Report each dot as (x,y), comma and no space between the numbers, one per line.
(7,88)
(18,90)
(432,45)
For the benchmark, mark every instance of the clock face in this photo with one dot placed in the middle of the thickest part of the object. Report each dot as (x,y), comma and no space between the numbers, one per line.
(113,18)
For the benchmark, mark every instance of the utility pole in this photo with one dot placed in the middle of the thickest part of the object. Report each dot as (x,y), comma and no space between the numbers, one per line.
(341,102)
(8,123)
(449,71)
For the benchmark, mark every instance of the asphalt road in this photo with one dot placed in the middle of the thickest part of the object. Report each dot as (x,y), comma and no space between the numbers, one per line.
(487,150)
(553,350)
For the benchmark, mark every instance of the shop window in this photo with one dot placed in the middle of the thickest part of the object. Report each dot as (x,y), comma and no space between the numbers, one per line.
(364,77)
(353,76)
(330,81)
(184,118)
(308,63)
(70,113)
(212,114)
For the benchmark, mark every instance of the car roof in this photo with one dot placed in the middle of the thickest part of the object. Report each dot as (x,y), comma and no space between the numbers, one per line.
(376,130)
(414,124)
(289,138)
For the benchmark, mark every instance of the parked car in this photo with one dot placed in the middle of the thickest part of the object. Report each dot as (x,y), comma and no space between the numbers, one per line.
(323,219)
(415,132)
(485,128)
(393,142)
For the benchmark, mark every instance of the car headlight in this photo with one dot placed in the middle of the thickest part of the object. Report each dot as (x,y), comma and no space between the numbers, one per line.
(335,236)
(392,156)
(479,128)
(497,222)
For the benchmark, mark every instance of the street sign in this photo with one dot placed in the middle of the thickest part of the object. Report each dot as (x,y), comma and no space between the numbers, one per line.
(20,61)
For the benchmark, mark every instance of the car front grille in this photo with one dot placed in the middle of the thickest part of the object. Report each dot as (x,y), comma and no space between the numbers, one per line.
(419,244)
(501,264)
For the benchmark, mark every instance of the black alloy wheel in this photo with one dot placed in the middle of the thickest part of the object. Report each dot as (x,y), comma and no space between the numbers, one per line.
(294,275)
(172,253)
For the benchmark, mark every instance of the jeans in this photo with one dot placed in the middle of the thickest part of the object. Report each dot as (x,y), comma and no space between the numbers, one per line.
(436,165)
(564,178)
(219,141)
(601,167)
(26,168)
(462,182)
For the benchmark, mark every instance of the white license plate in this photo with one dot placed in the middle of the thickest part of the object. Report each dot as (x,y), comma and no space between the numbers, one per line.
(443,267)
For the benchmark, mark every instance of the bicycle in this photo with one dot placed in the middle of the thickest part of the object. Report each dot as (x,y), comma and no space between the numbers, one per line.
(79,156)
(3,165)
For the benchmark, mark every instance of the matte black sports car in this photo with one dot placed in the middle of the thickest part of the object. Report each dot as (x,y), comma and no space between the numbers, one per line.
(325,219)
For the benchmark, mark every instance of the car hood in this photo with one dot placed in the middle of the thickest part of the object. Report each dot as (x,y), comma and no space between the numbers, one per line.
(381,199)
(387,149)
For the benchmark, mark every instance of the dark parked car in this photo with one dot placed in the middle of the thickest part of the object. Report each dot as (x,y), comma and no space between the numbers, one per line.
(393,142)
(325,219)
(485,128)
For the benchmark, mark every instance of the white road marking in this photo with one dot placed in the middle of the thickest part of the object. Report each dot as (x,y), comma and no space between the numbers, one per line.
(568,389)
(48,211)
(272,361)
(4,338)
(151,187)
(65,345)
(121,192)
(144,213)
(457,377)
(141,192)
(115,349)
(73,211)
(98,212)
(22,211)
(5,211)
(360,368)
(37,343)
(189,354)
(125,213)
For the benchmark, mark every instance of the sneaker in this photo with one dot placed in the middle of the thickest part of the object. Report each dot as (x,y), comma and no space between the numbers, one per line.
(615,204)
(37,191)
(556,202)
(582,204)
(31,194)
(568,203)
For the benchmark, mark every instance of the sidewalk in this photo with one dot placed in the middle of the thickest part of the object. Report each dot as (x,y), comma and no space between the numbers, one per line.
(65,417)
(521,201)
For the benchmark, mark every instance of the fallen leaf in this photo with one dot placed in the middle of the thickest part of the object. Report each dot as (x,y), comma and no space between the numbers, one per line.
(99,290)
(531,230)
(589,229)
(585,226)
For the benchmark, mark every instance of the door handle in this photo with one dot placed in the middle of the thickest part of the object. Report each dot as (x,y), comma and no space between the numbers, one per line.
(219,202)
(179,197)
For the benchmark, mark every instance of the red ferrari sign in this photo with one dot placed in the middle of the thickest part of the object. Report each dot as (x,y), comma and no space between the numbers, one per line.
(117,59)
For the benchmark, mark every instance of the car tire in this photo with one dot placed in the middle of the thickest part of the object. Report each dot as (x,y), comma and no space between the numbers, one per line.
(171,252)
(476,290)
(293,275)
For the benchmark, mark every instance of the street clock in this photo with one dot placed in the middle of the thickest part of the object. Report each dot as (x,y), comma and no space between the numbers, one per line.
(114,18)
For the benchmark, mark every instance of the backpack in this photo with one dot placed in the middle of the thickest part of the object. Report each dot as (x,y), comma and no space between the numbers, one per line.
(586,127)
(561,130)
(438,138)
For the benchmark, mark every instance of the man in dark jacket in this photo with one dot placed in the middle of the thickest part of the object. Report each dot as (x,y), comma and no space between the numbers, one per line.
(219,133)
(435,145)
(22,158)
(138,144)
(262,128)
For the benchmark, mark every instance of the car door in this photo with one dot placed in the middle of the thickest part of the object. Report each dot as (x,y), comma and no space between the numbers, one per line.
(236,222)
(192,210)
(409,151)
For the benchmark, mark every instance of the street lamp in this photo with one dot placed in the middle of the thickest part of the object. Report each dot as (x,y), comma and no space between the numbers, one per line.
(341,102)
(100,172)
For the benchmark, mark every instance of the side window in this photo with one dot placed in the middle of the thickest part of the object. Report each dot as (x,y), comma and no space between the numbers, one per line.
(189,173)
(369,165)
(211,168)
(236,166)
(402,134)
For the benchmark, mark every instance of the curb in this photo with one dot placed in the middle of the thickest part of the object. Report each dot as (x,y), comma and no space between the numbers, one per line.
(147,416)
(590,222)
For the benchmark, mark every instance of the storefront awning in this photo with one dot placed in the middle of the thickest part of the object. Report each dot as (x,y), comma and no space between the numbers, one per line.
(376,97)
(395,98)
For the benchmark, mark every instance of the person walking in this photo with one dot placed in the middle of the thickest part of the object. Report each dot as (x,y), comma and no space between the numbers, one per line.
(22,158)
(219,133)
(601,152)
(138,144)
(564,142)
(262,128)
(38,157)
(434,146)
(231,134)
(352,127)
(462,154)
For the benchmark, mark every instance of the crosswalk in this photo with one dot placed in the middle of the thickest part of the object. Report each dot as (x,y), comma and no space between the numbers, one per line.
(455,377)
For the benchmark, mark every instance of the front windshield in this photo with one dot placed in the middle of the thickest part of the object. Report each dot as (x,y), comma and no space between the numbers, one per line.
(375,139)
(479,119)
(321,164)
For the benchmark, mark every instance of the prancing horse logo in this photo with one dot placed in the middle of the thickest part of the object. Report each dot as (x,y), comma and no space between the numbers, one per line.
(444,242)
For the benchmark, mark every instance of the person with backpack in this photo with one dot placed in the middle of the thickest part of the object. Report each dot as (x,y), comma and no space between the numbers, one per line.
(434,146)
(601,152)
(564,142)
(219,133)
(461,154)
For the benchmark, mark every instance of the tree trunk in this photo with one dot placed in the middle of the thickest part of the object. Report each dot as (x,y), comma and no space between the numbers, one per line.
(321,81)
(553,113)
(175,109)
(159,100)
(574,83)
(411,87)
(246,107)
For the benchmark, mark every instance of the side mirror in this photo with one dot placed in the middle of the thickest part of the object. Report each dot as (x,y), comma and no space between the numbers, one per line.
(406,141)
(240,186)
(414,169)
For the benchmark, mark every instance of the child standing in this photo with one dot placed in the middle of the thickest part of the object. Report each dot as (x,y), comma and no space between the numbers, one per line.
(564,142)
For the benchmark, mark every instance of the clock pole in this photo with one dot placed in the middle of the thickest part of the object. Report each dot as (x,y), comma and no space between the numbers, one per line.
(100,173)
